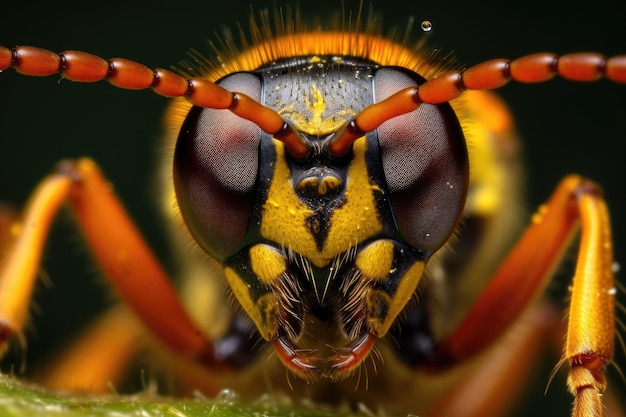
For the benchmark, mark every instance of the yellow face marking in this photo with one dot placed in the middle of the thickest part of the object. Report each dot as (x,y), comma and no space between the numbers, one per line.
(316,107)
(375,260)
(267,263)
(404,292)
(267,310)
(320,187)
(312,120)
(263,312)
(309,184)
(284,218)
(328,184)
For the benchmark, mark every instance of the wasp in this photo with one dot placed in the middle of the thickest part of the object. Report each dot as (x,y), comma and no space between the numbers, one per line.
(360,247)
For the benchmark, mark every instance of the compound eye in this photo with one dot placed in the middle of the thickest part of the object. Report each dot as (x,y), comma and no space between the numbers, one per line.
(215,170)
(424,157)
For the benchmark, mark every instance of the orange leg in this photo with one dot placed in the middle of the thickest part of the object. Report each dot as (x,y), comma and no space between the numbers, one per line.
(20,262)
(116,245)
(491,389)
(525,272)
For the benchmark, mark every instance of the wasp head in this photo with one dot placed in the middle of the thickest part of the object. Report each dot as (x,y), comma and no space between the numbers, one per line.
(322,252)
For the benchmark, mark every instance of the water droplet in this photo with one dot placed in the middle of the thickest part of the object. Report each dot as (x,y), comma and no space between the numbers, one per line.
(427,26)
(226,396)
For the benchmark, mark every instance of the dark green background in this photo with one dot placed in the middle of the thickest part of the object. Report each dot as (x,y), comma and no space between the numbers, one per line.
(567,127)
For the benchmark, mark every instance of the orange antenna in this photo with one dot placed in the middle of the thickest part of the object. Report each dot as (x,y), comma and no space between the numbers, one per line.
(123,73)
(535,68)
